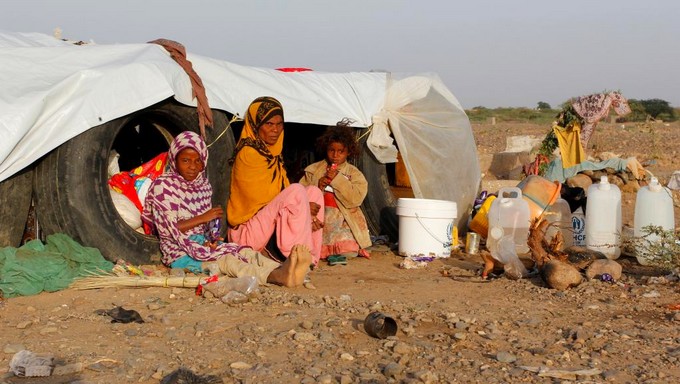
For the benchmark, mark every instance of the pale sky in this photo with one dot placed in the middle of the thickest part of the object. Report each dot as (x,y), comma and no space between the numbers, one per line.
(492,53)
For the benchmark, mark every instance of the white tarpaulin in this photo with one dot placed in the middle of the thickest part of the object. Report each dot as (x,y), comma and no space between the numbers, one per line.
(53,90)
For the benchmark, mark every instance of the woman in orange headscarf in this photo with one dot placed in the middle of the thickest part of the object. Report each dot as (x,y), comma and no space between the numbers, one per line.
(262,201)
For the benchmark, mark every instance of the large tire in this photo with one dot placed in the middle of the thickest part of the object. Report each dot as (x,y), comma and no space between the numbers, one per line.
(379,207)
(15,202)
(72,194)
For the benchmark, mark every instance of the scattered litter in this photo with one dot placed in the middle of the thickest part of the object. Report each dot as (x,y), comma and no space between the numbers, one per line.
(380,240)
(121,315)
(562,373)
(337,260)
(185,376)
(607,278)
(28,364)
(414,262)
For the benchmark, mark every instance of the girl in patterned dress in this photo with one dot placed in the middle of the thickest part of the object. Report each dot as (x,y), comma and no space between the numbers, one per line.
(345,231)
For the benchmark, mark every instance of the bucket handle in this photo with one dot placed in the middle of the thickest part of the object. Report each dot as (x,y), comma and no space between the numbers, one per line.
(444,243)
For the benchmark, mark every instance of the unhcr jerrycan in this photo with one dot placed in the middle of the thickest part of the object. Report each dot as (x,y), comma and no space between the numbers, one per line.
(508,216)
(578,224)
(653,206)
(603,218)
(558,215)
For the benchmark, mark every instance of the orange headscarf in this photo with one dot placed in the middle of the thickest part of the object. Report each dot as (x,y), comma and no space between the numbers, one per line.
(258,174)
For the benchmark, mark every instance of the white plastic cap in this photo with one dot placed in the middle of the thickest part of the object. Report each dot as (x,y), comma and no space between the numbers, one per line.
(496,232)
(654,185)
(604,183)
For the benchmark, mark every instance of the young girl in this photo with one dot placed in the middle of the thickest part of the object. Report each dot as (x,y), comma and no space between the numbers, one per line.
(345,231)
(179,208)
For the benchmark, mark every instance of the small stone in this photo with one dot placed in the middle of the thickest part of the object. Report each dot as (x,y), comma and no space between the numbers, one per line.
(304,336)
(24,324)
(401,348)
(392,370)
(240,365)
(346,356)
(459,336)
(505,357)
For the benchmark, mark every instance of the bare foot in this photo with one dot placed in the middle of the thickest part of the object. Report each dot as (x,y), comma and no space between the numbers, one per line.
(292,272)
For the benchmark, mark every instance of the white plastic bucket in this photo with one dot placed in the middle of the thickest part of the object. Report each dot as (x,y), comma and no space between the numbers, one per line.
(426,227)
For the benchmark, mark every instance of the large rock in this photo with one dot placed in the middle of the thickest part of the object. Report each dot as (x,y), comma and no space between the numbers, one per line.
(580,181)
(600,267)
(582,257)
(560,276)
(509,165)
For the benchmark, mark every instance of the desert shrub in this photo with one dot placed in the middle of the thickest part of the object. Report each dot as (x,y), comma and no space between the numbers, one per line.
(661,247)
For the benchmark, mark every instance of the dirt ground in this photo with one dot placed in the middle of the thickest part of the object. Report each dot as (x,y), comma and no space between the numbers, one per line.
(452,325)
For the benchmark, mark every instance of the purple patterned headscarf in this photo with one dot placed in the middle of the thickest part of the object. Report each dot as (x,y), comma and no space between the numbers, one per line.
(172,198)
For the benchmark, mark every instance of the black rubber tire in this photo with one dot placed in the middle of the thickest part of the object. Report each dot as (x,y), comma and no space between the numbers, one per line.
(15,202)
(72,194)
(379,206)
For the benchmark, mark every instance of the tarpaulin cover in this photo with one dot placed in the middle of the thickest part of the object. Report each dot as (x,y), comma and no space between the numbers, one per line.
(53,90)
(37,267)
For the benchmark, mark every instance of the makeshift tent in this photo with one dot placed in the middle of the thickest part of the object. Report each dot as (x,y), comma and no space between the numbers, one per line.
(53,90)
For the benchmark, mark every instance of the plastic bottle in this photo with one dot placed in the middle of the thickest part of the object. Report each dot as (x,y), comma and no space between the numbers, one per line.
(653,206)
(512,265)
(558,215)
(508,216)
(603,219)
(225,284)
(578,224)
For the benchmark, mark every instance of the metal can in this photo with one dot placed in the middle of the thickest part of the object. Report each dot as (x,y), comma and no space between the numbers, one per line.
(214,230)
(472,243)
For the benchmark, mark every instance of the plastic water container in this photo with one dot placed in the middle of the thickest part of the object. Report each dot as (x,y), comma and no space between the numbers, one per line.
(578,224)
(508,216)
(559,216)
(426,227)
(653,206)
(603,218)
(540,193)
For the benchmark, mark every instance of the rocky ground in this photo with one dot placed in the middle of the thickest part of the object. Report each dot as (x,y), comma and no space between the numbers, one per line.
(453,326)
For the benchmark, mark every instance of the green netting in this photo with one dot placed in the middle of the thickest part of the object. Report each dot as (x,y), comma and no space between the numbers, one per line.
(37,267)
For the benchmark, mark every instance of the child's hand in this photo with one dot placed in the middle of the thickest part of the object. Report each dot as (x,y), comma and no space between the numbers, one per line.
(316,224)
(331,173)
(213,213)
(324,182)
(314,208)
